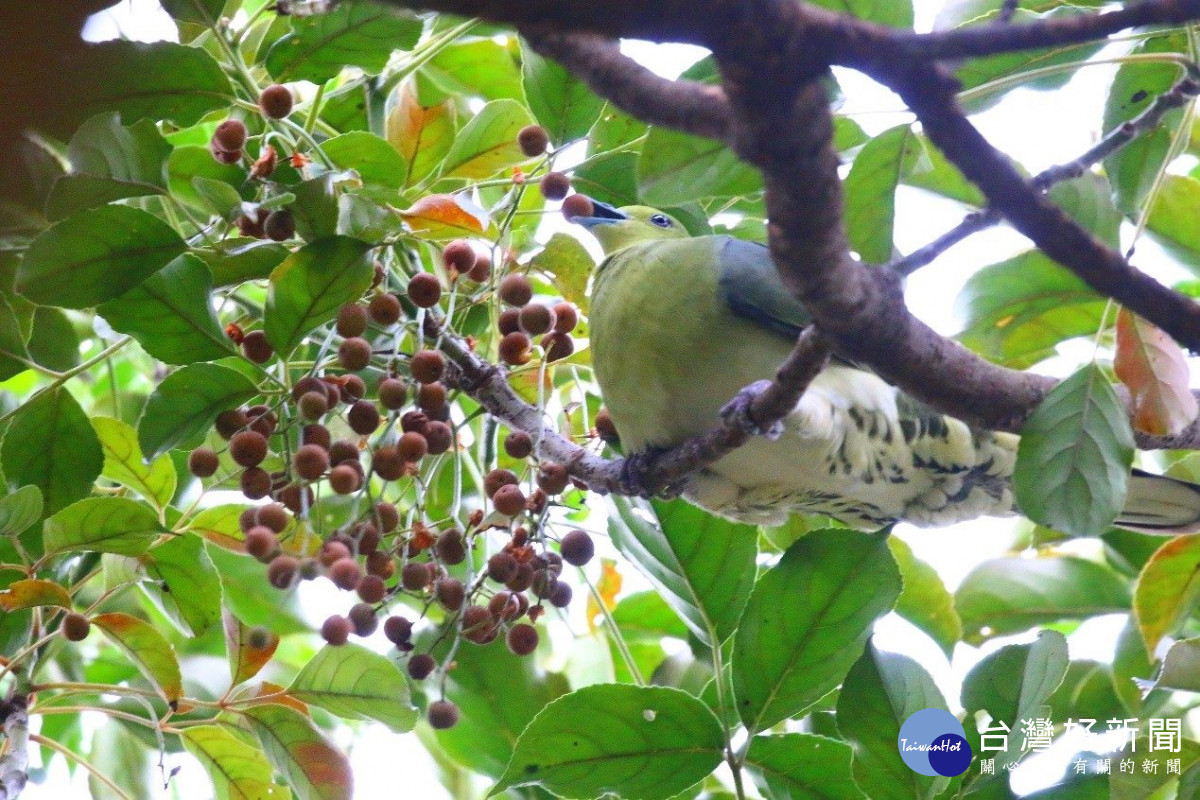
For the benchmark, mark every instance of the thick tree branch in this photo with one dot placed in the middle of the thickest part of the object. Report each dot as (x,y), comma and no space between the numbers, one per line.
(14,765)
(689,106)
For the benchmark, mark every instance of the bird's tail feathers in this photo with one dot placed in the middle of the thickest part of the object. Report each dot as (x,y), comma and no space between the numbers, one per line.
(1160,505)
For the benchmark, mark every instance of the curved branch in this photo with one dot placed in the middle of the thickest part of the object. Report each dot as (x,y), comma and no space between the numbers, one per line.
(689,106)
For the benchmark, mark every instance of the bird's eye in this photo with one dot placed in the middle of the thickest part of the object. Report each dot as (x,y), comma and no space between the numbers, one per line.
(661,220)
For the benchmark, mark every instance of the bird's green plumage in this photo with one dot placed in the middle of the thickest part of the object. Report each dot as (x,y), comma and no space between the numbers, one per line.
(680,324)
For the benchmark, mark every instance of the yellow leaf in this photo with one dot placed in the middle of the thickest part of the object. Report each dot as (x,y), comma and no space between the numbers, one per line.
(608,587)
(445,216)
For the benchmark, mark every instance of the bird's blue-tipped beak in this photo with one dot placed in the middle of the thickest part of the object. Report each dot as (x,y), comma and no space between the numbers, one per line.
(603,214)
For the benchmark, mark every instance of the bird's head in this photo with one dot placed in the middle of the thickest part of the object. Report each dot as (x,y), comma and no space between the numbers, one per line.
(617,228)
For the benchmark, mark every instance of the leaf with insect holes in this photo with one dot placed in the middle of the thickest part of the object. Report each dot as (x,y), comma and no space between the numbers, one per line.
(1155,369)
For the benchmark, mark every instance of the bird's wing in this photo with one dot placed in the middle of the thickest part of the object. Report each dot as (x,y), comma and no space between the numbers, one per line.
(751,286)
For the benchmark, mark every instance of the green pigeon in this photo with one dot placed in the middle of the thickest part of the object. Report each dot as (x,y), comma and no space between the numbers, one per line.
(681,324)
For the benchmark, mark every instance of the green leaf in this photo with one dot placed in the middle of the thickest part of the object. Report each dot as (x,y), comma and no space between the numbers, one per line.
(50,445)
(316,205)
(897,13)
(357,33)
(498,693)
(19,510)
(110,162)
(569,265)
(249,595)
(1142,784)
(703,565)
(610,178)
(677,167)
(1175,208)
(881,691)
(237,770)
(488,143)
(103,525)
(1016,311)
(1016,682)
(197,12)
(16,321)
(311,284)
(1133,169)
(1168,589)
(186,404)
(807,620)
(1074,457)
(932,172)
(1180,667)
(647,614)
(148,649)
(189,162)
(159,80)
(124,463)
(355,683)
(800,766)
(561,103)
(31,594)
(477,67)
(315,769)
(188,585)
(1007,595)
(243,260)
(246,656)
(217,197)
(171,314)
(638,742)
(375,161)
(871,191)
(96,255)
(925,601)
(53,342)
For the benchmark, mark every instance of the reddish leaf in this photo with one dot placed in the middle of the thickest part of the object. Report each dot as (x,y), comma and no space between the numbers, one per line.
(315,769)
(147,649)
(1168,589)
(445,216)
(27,594)
(1152,365)
(245,660)
(267,693)
(422,134)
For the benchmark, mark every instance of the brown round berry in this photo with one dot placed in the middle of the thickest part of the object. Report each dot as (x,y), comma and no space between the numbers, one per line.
(371,589)
(387,462)
(502,567)
(560,595)
(342,451)
(296,497)
(309,383)
(280,225)
(362,617)
(514,348)
(533,140)
(605,426)
(248,448)
(442,715)
(536,318)
(256,483)
(412,446)
(228,157)
(482,269)
(509,500)
(414,421)
(397,629)
(75,627)
(427,366)
(354,354)
(497,478)
(336,630)
(478,625)
(439,437)
(344,479)
(387,517)
(516,290)
(369,538)
(518,444)
(230,422)
(424,290)
(276,101)
(503,606)
(554,185)
(273,516)
(203,462)
(522,580)
(450,593)
(313,405)
(282,571)
(565,317)
(381,565)
(256,347)
(451,547)
(247,226)
(345,573)
(351,320)
(431,397)
(333,551)
(557,346)
(262,419)
(458,256)
(577,205)
(393,394)
(421,666)
(414,576)
(315,434)
(509,321)
(384,309)
(261,542)
(552,478)
(353,387)
(259,638)
(544,581)
(311,462)
(363,417)
(522,639)
(230,136)
(577,548)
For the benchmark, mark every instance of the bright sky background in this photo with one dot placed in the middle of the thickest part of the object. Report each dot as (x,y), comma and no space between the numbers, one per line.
(1038,129)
